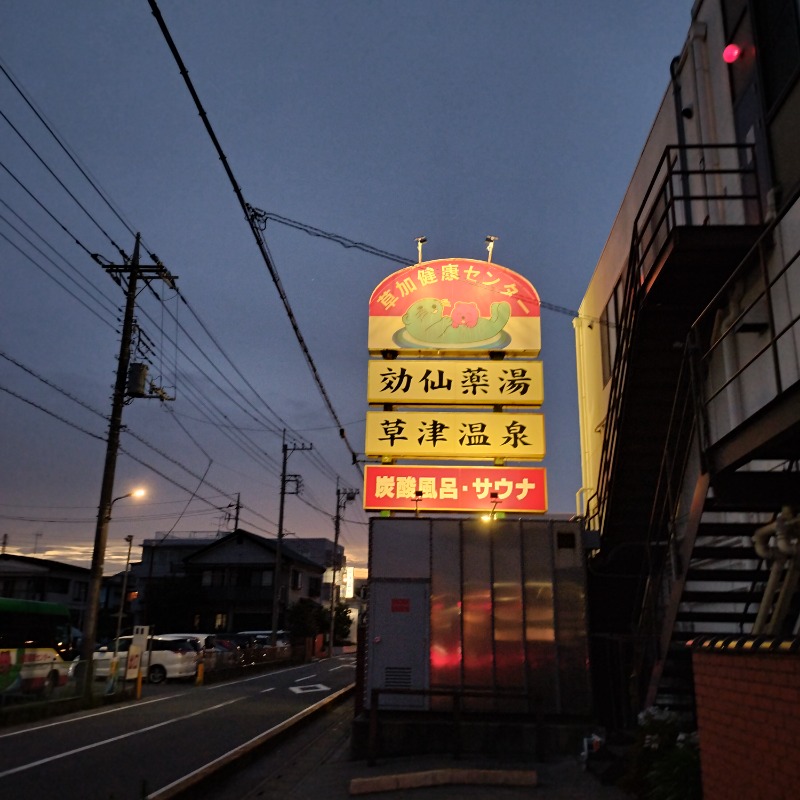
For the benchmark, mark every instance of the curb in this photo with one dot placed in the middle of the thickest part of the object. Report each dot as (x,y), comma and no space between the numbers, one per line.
(176,788)
(444,777)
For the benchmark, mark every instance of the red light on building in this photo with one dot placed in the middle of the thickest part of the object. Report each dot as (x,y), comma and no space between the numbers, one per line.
(731,53)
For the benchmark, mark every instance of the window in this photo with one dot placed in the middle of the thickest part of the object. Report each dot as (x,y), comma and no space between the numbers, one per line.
(609,325)
(80,590)
(778,38)
(243,577)
(297,579)
(261,577)
(779,47)
(213,577)
(314,587)
(57,585)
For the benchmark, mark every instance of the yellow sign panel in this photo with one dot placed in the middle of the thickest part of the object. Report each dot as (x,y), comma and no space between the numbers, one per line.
(444,435)
(456,382)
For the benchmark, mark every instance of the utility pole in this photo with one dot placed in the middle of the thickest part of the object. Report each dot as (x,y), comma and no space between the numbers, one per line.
(134,272)
(343,497)
(278,545)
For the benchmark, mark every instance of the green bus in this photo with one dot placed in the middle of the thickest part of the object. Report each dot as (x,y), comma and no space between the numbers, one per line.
(36,648)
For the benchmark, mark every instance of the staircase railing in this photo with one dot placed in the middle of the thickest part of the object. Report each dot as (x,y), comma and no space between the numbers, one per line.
(664,557)
(691,185)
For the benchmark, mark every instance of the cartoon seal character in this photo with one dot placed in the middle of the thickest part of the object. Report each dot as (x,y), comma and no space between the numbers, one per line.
(425,321)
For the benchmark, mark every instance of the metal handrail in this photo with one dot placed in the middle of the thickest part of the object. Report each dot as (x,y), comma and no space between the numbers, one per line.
(651,231)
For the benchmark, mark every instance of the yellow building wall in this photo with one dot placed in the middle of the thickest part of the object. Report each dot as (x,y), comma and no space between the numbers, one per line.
(704,89)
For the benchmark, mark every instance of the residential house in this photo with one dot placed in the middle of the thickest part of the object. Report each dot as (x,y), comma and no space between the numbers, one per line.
(32,578)
(221,584)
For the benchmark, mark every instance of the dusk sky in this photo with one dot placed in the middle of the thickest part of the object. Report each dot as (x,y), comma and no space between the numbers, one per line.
(376,122)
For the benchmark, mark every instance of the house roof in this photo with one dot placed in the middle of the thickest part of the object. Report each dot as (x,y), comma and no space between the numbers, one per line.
(10,562)
(240,536)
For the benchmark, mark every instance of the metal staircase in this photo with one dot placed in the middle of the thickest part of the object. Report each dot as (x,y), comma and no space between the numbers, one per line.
(694,226)
(727,566)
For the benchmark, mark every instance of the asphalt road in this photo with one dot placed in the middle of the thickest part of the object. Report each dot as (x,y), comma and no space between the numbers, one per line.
(145,748)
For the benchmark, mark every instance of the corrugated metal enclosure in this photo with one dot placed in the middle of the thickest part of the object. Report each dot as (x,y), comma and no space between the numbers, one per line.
(490,615)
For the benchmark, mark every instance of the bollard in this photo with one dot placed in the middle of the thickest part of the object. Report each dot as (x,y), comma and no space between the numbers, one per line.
(139,684)
(198,681)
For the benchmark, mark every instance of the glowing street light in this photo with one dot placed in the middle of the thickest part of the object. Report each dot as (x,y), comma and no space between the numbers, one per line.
(492,515)
(96,579)
(133,493)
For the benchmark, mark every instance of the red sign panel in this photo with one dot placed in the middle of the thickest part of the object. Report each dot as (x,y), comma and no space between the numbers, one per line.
(401,605)
(517,490)
(455,306)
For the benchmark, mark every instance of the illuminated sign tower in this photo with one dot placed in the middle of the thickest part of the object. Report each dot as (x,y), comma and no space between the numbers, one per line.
(453,377)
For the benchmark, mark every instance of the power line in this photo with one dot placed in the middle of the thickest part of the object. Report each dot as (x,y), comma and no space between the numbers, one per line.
(262,217)
(61,183)
(46,210)
(68,150)
(51,413)
(55,280)
(101,296)
(253,226)
(129,432)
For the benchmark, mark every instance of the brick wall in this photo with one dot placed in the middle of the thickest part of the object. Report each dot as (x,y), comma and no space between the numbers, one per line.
(748,718)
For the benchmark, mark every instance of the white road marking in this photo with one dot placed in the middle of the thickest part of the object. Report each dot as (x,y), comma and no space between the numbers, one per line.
(136,704)
(264,691)
(305,678)
(33,764)
(260,676)
(314,687)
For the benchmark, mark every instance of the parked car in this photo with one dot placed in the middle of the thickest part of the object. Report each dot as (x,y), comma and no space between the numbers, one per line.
(264,638)
(166,656)
(257,647)
(217,649)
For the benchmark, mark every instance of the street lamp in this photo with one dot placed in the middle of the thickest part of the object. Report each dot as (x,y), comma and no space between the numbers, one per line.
(96,581)
(492,515)
(112,675)
(343,497)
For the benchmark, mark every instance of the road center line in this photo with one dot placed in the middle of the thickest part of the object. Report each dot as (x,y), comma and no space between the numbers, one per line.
(136,704)
(33,764)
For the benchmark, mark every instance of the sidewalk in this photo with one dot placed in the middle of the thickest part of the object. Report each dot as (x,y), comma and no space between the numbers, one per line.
(315,763)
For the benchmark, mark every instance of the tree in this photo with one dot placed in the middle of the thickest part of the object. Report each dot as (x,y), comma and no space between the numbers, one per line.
(342,620)
(306,618)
